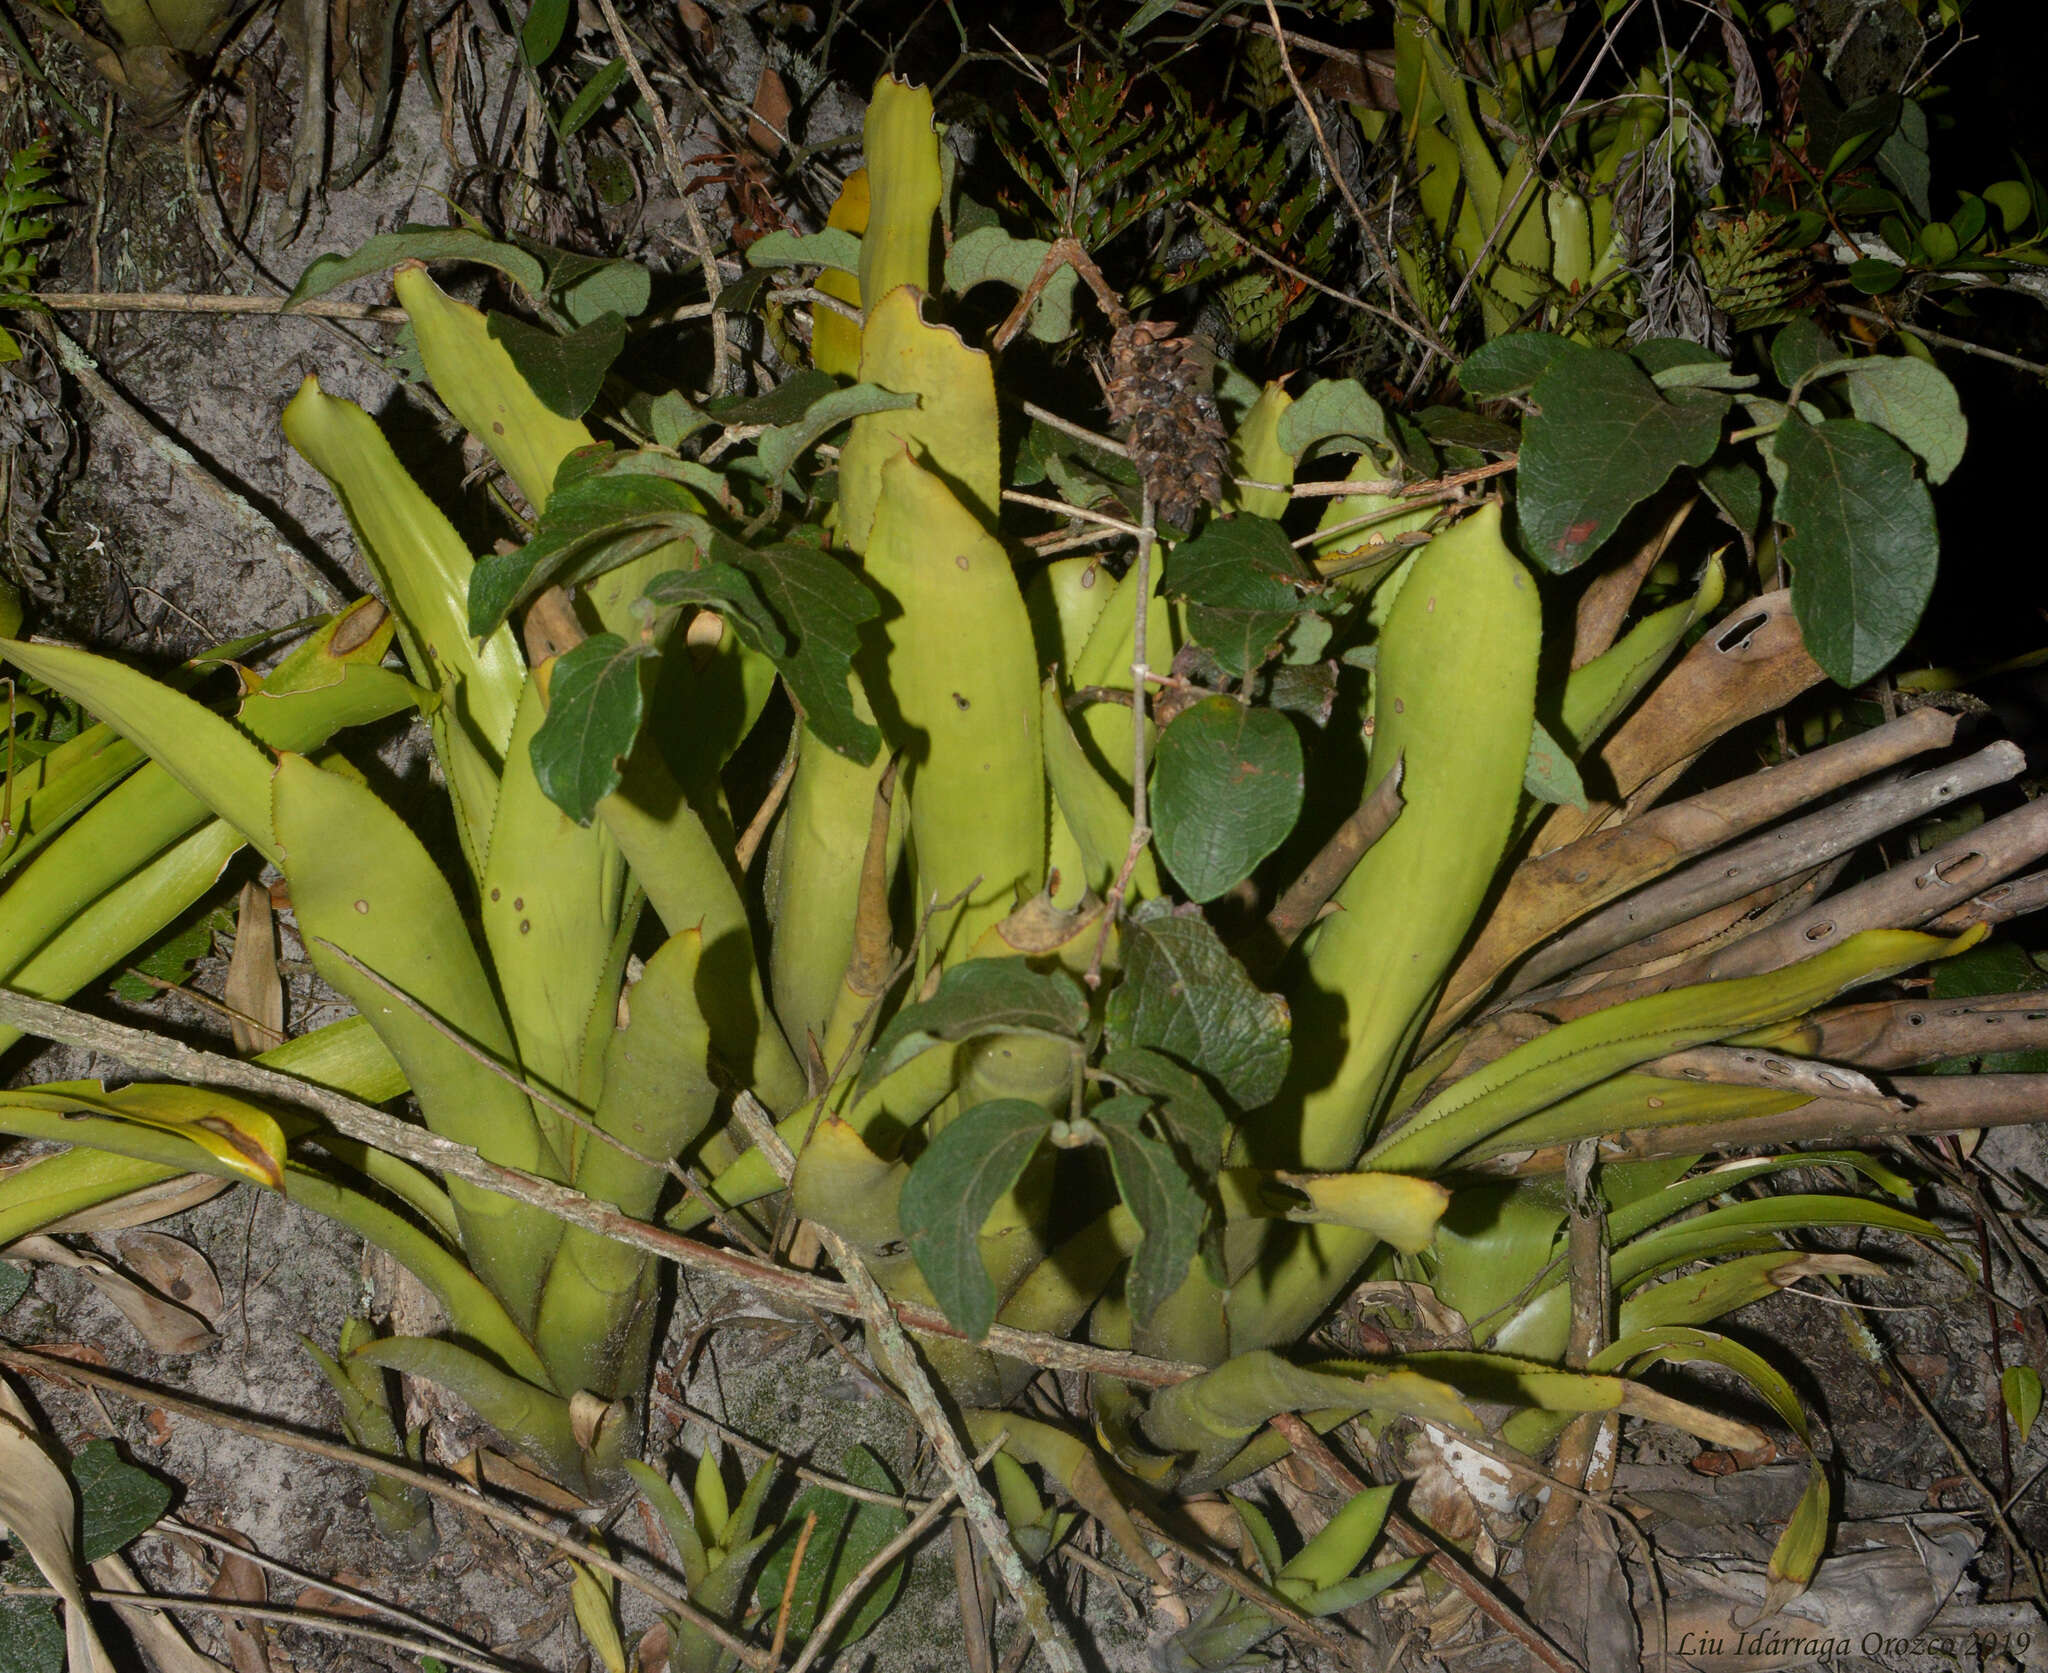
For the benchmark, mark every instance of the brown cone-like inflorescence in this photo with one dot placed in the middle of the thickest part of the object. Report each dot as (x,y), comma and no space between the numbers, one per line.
(1159,387)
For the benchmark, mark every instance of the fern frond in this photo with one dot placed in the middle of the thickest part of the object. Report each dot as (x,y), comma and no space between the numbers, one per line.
(22,191)
(1747,277)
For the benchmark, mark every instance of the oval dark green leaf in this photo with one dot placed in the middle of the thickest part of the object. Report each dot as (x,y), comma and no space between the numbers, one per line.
(1226,790)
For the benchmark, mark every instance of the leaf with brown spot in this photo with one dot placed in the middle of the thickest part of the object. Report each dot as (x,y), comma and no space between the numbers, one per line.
(174,1269)
(168,1328)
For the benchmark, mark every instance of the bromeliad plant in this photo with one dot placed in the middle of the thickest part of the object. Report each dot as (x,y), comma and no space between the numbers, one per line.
(1026,1076)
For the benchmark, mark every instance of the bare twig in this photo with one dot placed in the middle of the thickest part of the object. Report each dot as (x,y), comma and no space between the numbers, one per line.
(751,838)
(898,1359)
(819,299)
(2022,1555)
(1251,26)
(309,123)
(796,1563)
(211,304)
(974,1632)
(1922,1105)
(1066,426)
(1421,493)
(326,1583)
(1942,341)
(672,164)
(371,1126)
(576,1118)
(1064,508)
(1321,878)
(1782,852)
(310,1619)
(878,1565)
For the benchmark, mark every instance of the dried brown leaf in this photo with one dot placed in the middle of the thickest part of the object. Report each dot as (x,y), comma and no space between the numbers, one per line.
(254,993)
(168,1328)
(175,1270)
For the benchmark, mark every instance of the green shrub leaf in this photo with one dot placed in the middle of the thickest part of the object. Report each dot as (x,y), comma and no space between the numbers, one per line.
(118,1501)
(1226,790)
(1183,994)
(1551,776)
(1156,1188)
(590,98)
(593,716)
(1604,438)
(1736,490)
(1337,410)
(1184,1102)
(1245,586)
(989,253)
(729,591)
(782,446)
(1863,544)
(388,249)
(587,289)
(31,1641)
(1913,401)
(1508,365)
(606,509)
(848,1535)
(951,1190)
(546,20)
(981,996)
(1799,348)
(833,247)
(821,604)
(566,372)
(2021,1385)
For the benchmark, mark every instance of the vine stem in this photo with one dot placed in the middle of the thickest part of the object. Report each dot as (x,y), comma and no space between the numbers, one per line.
(899,1361)
(672,162)
(1141,716)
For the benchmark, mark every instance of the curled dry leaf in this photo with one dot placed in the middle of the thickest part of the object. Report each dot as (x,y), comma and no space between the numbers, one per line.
(1461,1494)
(168,1328)
(651,1654)
(241,1581)
(318,1600)
(771,113)
(174,1269)
(79,1353)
